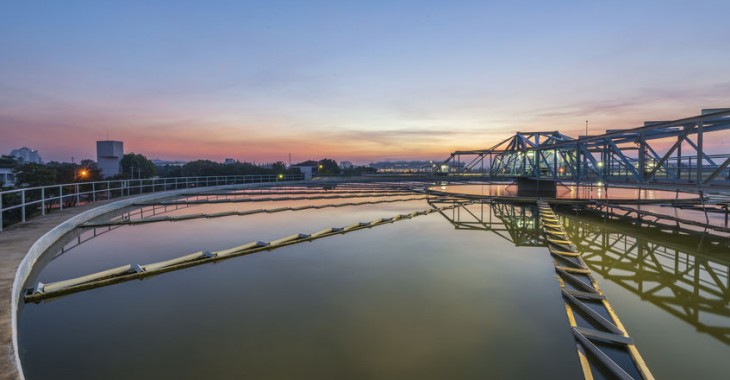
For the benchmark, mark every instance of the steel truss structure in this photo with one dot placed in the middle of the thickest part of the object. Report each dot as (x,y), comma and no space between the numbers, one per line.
(665,152)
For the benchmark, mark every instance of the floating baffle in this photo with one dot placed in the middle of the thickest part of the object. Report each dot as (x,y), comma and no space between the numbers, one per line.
(135,271)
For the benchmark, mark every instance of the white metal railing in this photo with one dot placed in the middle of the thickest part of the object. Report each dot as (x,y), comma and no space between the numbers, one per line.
(19,205)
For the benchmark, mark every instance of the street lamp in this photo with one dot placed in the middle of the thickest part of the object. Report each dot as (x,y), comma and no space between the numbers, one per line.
(80,175)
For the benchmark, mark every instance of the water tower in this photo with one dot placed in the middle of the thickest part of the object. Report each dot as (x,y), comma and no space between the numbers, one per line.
(109,156)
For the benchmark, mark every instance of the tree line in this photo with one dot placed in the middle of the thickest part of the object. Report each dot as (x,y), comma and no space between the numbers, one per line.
(137,166)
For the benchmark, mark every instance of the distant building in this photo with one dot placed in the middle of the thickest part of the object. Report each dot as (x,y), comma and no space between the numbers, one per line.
(403,166)
(307,168)
(158,162)
(7,177)
(109,157)
(26,155)
(229,161)
(346,165)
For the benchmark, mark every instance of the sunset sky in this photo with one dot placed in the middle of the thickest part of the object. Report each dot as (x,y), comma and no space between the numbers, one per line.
(358,81)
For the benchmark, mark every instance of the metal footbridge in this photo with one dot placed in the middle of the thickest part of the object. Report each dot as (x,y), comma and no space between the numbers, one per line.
(682,152)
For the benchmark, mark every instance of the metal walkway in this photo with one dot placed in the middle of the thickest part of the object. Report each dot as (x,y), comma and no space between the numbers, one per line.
(604,346)
(660,152)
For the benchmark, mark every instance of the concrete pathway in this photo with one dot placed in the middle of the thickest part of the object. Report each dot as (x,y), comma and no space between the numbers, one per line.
(15,241)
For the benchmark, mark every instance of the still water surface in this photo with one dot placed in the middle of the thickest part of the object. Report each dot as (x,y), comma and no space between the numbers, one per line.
(567,191)
(461,295)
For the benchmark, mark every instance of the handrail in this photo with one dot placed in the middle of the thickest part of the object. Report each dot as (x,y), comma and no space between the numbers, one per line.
(19,205)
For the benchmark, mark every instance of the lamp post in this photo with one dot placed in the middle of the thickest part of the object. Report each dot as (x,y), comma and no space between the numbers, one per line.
(80,175)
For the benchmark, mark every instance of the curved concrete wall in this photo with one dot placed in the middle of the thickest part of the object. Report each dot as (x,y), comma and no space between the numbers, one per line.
(41,247)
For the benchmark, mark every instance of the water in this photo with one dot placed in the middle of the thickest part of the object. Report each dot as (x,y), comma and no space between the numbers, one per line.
(468,294)
(570,191)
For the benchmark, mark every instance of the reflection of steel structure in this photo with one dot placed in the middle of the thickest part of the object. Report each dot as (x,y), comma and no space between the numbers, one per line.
(675,274)
(517,223)
(659,152)
(681,271)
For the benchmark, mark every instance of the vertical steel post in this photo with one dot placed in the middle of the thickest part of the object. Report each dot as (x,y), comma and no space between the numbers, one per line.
(699,151)
(576,162)
(679,158)
(642,158)
(22,206)
(43,201)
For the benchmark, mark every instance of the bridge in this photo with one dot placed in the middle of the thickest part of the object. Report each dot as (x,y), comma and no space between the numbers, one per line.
(658,153)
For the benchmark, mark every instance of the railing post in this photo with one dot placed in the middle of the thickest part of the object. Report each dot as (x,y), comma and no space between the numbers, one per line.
(78,196)
(43,201)
(93,191)
(1,211)
(22,206)
(60,197)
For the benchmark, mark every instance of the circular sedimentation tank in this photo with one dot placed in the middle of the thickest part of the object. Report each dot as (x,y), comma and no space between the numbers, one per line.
(462,292)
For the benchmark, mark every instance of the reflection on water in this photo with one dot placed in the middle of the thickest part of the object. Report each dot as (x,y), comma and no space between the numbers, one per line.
(683,273)
(409,300)
(572,191)
(415,299)
(517,224)
(676,273)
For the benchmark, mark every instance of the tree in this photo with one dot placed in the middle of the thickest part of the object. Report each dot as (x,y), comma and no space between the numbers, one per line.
(200,168)
(209,168)
(33,175)
(359,170)
(328,166)
(8,162)
(278,167)
(137,166)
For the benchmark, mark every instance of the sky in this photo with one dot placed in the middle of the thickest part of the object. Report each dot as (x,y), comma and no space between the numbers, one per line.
(350,80)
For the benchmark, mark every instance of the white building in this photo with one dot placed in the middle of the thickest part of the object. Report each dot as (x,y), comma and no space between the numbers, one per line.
(7,177)
(305,170)
(26,155)
(109,157)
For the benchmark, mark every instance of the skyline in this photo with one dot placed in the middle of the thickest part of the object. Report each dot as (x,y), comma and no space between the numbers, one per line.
(357,82)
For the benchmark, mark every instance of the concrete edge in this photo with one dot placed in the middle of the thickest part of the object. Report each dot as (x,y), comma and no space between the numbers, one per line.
(49,238)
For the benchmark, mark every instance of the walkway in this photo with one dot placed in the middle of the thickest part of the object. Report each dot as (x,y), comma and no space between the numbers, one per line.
(15,241)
